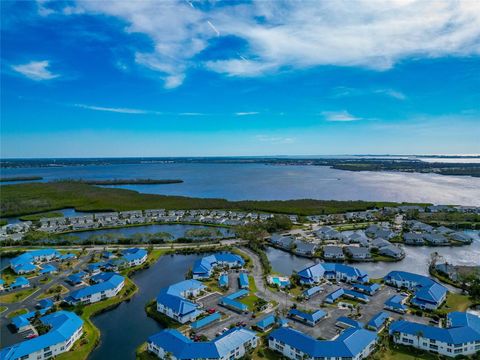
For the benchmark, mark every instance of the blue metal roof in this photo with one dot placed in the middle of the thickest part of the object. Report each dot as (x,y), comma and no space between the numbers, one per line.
(243,280)
(349,343)
(109,284)
(395,302)
(173,298)
(20,281)
(176,303)
(463,328)
(232,303)
(378,320)
(63,325)
(266,322)
(134,254)
(181,347)
(24,262)
(76,278)
(310,317)
(95,266)
(48,268)
(24,268)
(312,291)
(205,321)
(426,289)
(237,294)
(335,295)
(368,288)
(350,322)
(45,303)
(322,269)
(204,266)
(67,256)
(223,280)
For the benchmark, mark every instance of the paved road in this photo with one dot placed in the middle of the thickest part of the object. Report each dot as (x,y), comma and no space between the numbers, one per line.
(284,300)
(7,336)
(229,242)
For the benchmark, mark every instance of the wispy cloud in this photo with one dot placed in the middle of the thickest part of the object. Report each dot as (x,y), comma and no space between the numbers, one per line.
(275,139)
(114,110)
(36,70)
(339,116)
(246,113)
(392,93)
(281,34)
(191,114)
(342,91)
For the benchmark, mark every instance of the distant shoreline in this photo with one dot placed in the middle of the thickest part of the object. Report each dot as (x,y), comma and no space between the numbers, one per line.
(457,166)
(20,178)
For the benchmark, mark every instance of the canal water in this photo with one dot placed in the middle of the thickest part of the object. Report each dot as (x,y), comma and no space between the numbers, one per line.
(416,259)
(175,230)
(127,327)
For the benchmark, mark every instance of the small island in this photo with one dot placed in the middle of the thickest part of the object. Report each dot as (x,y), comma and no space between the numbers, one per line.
(131,181)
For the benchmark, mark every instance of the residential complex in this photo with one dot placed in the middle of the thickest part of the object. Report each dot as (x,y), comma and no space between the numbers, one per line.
(352,344)
(66,328)
(173,300)
(460,336)
(232,344)
(108,285)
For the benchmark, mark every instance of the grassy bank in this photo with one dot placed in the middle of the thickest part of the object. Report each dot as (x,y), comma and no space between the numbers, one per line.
(36,217)
(17,296)
(20,178)
(164,320)
(91,336)
(21,199)
(131,181)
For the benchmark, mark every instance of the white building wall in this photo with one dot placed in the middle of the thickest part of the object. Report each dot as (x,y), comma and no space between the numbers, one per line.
(442,348)
(56,349)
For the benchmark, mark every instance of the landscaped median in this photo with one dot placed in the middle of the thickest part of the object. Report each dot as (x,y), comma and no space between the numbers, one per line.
(17,296)
(91,335)
(53,291)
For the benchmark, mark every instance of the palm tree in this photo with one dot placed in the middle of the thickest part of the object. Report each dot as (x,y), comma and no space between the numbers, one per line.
(418,334)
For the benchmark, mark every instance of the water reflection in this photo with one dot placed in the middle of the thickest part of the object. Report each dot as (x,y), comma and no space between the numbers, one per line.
(416,259)
(127,327)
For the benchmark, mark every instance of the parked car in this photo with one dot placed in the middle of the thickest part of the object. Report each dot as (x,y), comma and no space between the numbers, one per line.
(31,336)
(211,310)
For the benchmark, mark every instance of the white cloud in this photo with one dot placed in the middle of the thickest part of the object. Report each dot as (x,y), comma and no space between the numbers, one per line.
(191,114)
(246,113)
(295,35)
(340,116)
(392,93)
(115,110)
(275,139)
(341,92)
(36,70)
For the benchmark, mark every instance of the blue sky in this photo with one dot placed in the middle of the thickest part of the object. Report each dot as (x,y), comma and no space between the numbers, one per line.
(105,78)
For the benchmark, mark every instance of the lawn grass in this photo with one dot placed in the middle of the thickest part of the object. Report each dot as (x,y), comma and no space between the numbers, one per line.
(142,353)
(455,302)
(37,217)
(8,276)
(3,308)
(17,312)
(251,284)
(91,336)
(390,351)
(29,198)
(52,291)
(45,280)
(17,296)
